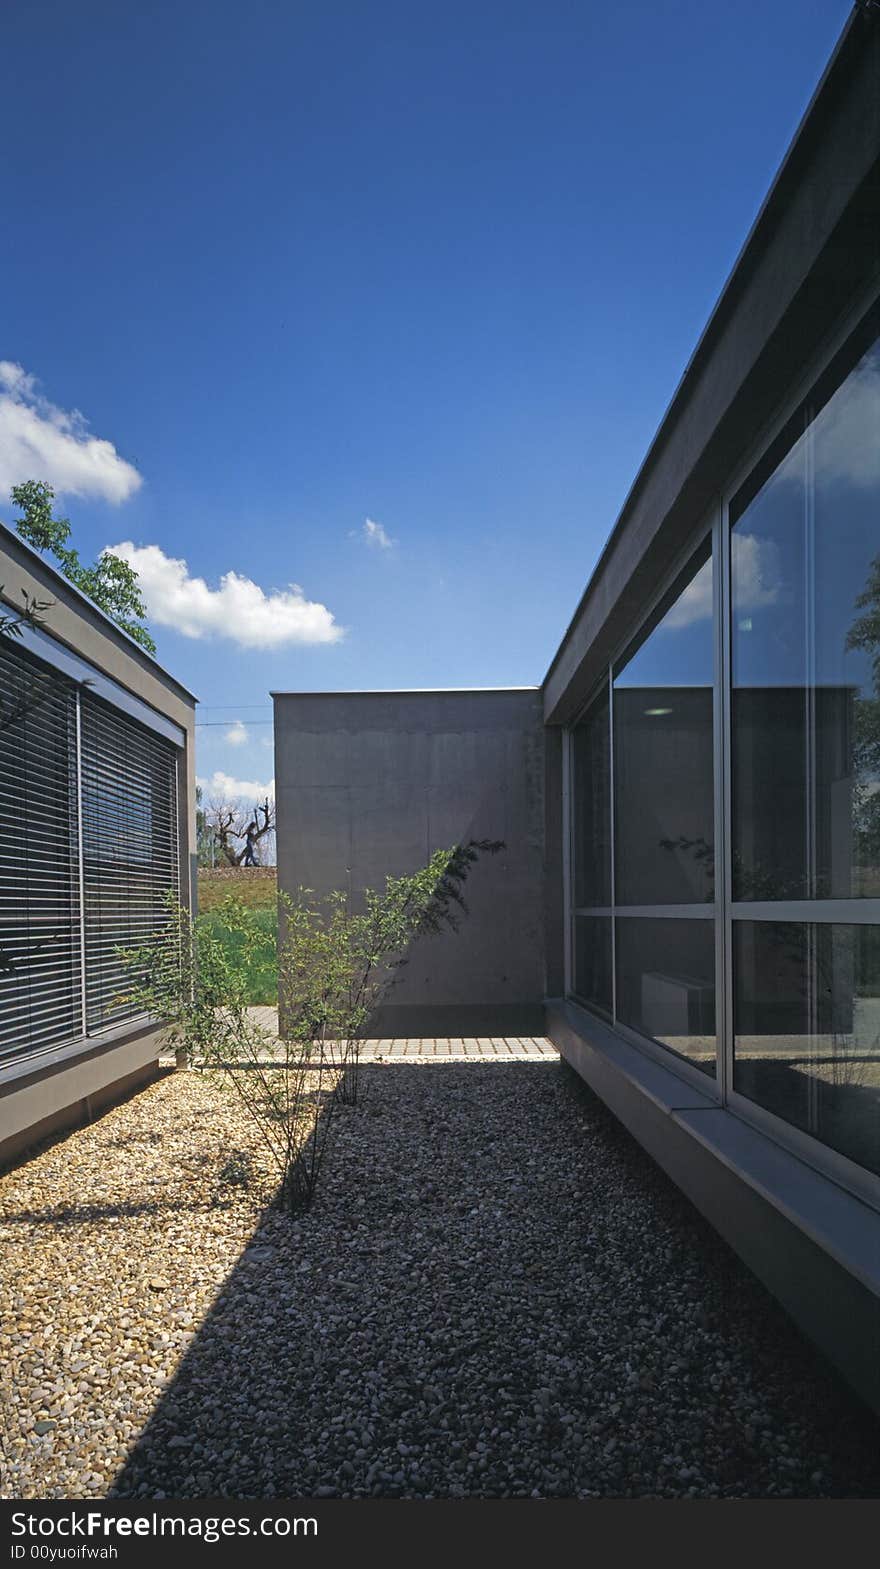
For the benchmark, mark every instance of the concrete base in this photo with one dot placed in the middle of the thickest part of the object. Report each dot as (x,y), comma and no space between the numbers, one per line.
(812,1244)
(49,1095)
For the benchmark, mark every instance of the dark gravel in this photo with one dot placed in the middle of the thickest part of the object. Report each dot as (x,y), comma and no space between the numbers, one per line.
(496,1294)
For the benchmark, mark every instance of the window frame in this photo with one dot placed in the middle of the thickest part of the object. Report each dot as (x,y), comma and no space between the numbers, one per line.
(856,325)
(163,737)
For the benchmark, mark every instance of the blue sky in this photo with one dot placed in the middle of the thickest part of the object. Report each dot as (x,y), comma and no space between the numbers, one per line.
(309,264)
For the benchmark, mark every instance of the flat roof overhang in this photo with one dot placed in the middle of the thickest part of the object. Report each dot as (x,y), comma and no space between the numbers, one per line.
(813,249)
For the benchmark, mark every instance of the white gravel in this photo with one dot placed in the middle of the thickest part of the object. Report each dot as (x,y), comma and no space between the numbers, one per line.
(495,1293)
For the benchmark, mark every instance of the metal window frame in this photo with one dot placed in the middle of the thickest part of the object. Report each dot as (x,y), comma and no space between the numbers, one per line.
(864,1184)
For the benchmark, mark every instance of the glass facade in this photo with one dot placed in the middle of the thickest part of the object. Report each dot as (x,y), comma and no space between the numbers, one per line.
(764,654)
(807,1029)
(805,659)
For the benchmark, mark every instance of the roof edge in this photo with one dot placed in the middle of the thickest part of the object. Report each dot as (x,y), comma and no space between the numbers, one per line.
(774,198)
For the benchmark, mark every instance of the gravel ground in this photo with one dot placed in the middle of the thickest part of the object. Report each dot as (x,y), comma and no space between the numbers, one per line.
(496,1293)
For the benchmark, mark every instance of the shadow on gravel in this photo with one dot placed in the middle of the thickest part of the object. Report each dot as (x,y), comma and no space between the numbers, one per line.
(496,1293)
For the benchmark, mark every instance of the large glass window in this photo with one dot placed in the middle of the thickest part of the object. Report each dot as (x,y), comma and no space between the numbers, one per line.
(807,1029)
(663,794)
(649,840)
(799,913)
(591,756)
(592,963)
(805,641)
(666,984)
(805,755)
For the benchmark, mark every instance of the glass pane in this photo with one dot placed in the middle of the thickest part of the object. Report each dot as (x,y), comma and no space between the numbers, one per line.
(592,806)
(663,748)
(805,565)
(592,960)
(807,1029)
(666,984)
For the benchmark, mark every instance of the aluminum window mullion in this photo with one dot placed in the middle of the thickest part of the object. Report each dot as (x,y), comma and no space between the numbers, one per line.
(567,859)
(723,610)
(612,817)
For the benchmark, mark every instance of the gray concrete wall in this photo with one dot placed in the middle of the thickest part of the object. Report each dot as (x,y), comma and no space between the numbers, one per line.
(369,784)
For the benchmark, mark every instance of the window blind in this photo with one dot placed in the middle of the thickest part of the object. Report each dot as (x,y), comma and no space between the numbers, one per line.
(88,851)
(130,848)
(40,959)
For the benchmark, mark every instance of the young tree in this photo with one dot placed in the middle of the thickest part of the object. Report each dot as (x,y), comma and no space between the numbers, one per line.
(30,689)
(335,967)
(111,583)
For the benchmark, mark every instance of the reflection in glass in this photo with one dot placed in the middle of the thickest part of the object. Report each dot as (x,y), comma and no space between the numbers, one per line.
(663,747)
(591,745)
(592,960)
(807,1029)
(805,569)
(666,983)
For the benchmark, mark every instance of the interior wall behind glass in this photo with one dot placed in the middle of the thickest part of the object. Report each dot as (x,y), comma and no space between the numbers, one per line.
(666,983)
(663,752)
(805,701)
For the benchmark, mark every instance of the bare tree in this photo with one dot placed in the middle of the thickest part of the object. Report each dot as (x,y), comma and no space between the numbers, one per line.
(229,821)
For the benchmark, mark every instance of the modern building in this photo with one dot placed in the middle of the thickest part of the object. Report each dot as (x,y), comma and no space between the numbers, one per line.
(97,822)
(689,898)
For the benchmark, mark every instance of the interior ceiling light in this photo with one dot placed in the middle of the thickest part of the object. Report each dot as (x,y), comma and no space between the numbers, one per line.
(654,713)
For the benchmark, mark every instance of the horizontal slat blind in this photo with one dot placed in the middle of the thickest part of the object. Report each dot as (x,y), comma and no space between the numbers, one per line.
(130,848)
(40,969)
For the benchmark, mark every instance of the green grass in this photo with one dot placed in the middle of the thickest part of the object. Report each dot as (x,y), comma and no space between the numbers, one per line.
(262,971)
(257,890)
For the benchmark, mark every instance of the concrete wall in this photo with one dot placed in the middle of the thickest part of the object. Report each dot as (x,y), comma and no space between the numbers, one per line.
(60,1088)
(369,784)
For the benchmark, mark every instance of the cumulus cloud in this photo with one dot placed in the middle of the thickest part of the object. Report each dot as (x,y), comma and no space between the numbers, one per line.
(237,734)
(695,604)
(374,534)
(755,573)
(225,787)
(845,434)
(239,609)
(40,441)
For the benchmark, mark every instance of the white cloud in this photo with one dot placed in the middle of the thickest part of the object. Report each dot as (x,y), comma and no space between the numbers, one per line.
(755,573)
(226,788)
(374,534)
(239,609)
(237,734)
(695,604)
(40,441)
(845,434)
